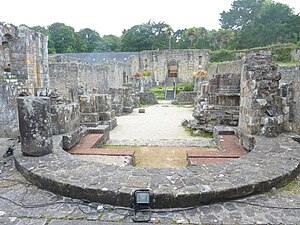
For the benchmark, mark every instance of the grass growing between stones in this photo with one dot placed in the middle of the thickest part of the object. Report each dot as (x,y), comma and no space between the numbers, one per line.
(292,188)
(198,133)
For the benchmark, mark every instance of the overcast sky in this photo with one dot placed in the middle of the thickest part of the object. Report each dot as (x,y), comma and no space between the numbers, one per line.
(112,16)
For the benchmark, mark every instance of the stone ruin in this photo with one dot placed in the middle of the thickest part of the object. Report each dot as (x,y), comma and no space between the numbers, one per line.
(65,96)
(23,70)
(81,93)
(218,102)
(254,95)
(90,89)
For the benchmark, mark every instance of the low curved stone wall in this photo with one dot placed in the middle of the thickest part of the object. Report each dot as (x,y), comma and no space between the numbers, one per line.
(272,163)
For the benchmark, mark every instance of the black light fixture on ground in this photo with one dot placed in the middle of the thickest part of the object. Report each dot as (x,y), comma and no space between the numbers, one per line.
(141,203)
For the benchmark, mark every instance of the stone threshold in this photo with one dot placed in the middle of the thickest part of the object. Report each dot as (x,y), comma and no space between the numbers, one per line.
(272,163)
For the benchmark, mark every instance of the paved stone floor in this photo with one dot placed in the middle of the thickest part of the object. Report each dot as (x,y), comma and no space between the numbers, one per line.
(23,203)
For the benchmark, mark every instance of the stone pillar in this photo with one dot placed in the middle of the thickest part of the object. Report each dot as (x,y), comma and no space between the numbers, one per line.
(260,101)
(35,125)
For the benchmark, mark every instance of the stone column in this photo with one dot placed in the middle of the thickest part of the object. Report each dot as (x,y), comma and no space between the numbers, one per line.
(260,102)
(35,125)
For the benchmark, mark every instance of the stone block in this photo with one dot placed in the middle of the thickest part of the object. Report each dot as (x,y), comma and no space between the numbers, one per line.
(247,140)
(105,116)
(221,130)
(89,117)
(65,118)
(70,139)
(111,123)
(142,110)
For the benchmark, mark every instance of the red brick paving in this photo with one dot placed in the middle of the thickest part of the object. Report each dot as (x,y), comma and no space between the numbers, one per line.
(85,147)
(230,148)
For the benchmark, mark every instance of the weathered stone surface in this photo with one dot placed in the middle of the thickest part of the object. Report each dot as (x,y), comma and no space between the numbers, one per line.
(252,173)
(186,97)
(35,125)
(65,117)
(261,110)
(23,69)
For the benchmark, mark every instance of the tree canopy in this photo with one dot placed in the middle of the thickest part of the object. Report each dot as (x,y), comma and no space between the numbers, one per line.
(248,24)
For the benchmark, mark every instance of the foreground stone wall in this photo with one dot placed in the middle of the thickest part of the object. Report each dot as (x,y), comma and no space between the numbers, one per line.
(261,106)
(23,70)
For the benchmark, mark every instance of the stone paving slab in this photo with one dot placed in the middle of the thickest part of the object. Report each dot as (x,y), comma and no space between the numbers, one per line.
(272,163)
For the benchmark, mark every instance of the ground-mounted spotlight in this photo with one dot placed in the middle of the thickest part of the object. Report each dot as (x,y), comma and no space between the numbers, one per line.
(141,204)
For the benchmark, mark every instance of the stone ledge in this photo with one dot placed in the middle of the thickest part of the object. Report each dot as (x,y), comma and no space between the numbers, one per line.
(272,163)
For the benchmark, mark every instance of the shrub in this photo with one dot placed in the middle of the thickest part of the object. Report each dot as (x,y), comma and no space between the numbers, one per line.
(222,56)
(282,54)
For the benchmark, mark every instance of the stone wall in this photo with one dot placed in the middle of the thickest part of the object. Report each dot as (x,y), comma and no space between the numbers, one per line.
(8,111)
(72,77)
(186,97)
(234,67)
(100,71)
(23,70)
(291,77)
(65,117)
(261,106)
(186,60)
(220,103)
(156,62)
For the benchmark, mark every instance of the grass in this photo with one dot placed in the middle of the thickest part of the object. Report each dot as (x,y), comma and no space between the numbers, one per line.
(292,63)
(292,188)
(198,133)
(159,91)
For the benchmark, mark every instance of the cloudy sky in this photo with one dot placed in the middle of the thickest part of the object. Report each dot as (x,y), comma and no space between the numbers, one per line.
(112,16)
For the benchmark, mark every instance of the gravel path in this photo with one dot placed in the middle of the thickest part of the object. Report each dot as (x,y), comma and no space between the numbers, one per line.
(160,125)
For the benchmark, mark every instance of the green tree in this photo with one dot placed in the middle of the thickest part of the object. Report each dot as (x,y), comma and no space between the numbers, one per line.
(241,14)
(90,37)
(201,38)
(273,24)
(64,37)
(147,36)
(260,22)
(108,43)
(220,39)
